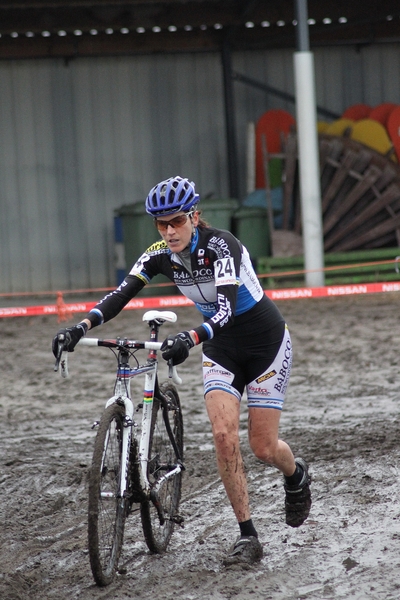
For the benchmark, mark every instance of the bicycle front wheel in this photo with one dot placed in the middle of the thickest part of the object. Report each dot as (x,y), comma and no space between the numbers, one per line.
(158,524)
(107,510)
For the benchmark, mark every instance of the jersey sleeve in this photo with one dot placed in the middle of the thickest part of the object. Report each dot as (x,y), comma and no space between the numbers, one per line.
(113,303)
(144,269)
(227,252)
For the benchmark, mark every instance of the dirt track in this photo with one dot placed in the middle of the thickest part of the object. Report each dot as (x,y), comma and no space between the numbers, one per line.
(341,414)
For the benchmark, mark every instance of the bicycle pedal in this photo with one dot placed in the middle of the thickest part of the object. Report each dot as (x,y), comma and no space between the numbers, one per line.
(95,424)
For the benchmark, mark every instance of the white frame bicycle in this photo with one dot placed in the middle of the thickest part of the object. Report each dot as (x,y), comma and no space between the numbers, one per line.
(134,462)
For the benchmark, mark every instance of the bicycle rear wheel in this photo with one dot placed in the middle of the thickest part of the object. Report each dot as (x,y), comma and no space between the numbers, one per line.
(162,459)
(107,511)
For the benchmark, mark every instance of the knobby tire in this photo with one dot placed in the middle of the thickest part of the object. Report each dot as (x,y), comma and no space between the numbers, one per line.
(107,511)
(162,457)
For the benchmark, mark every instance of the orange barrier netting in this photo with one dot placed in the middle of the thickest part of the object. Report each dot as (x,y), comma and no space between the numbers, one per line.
(65,311)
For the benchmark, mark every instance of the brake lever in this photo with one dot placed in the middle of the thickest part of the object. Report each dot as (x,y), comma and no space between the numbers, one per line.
(60,361)
(173,373)
(60,350)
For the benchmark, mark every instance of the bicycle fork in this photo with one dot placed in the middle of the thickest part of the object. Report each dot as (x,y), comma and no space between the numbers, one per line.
(122,392)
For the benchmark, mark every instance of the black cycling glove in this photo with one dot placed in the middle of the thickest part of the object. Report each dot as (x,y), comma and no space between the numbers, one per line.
(72,335)
(176,347)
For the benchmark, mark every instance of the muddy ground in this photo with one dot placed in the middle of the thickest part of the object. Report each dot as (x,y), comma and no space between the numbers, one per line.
(341,414)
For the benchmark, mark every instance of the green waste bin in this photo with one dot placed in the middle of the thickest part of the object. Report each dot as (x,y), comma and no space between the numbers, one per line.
(218,212)
(138,233)
(252,229)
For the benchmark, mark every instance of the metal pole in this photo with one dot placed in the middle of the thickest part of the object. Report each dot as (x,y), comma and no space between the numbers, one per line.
(302,37)
(230,122)
(306,118)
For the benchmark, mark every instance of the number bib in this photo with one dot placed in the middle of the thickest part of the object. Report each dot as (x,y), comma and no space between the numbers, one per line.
(225,273)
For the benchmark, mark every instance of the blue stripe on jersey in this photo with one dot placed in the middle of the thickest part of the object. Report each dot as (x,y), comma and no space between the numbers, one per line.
(245,301)
(210,332)
(98,312)
(143,276)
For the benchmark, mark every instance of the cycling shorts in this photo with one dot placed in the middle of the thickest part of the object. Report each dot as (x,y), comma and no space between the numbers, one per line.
(262,368)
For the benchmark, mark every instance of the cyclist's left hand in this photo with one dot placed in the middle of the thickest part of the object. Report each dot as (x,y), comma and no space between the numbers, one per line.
(176,347)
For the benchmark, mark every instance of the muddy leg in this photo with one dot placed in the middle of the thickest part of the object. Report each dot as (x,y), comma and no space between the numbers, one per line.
(223,411)
(264,441)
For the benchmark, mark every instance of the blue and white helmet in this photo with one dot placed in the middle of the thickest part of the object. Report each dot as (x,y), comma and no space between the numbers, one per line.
(170,196)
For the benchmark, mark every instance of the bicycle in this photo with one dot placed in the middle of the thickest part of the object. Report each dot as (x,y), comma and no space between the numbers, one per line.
(134,463)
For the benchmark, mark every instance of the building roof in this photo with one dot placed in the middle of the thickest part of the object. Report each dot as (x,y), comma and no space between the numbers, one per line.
(72,28)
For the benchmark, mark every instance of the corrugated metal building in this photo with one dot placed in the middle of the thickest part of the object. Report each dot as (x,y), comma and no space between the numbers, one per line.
(79,139)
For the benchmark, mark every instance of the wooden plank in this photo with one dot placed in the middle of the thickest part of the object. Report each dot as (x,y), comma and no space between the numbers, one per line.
(371,175)
(379,217)
(330,159)
(388,175)
(370,235)
(324,147)
(393,214)
(388,239)
(337,180)
(390,194)
(361,162)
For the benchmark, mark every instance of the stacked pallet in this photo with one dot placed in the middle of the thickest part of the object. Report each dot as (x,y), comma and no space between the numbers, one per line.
(360,185)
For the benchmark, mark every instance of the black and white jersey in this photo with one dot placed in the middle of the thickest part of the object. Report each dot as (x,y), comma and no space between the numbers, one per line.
(215,273)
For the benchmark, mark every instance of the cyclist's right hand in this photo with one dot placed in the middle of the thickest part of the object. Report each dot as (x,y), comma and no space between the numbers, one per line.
(69,337)
(176,347)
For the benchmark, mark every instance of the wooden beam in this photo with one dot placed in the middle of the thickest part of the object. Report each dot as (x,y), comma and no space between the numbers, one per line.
(370,176)
(390,194)
(373,233)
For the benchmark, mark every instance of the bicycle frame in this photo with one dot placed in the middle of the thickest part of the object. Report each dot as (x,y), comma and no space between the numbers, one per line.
(122,394)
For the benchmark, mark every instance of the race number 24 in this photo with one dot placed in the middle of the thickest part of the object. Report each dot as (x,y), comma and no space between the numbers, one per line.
(225,273)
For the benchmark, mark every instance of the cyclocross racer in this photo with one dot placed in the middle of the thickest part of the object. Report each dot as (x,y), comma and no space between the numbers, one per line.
(246,345)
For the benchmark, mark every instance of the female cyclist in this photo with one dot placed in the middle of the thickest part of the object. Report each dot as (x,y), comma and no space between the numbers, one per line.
(246,344)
